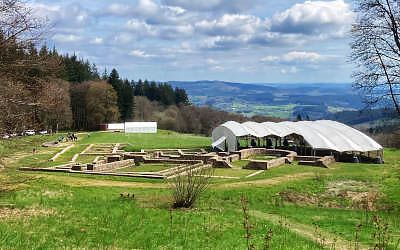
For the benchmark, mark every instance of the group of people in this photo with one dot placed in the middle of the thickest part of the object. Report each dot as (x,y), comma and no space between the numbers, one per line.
(72,137)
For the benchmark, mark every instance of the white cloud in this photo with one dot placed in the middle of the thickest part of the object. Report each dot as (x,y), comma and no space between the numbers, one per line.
(140,54)
(148,11)
(217,68)
(71,15)
(222,43)
(231,6)
(183,48)
(315,18)
(123,38)
(290,70)
(295,57)
(231,24)
(211,61)
(118,9)
(97,40)
(140,28)
(147,7)
(302,56)
(66,38)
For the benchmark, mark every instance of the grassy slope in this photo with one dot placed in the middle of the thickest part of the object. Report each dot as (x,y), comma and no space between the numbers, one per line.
(163,139)
(87,211)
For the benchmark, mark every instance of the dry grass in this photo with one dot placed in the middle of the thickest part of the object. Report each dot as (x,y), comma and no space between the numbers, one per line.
(11,213)
(355,194)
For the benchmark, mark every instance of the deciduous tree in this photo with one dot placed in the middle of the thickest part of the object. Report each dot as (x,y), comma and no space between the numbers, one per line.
(376,51)
(101,104)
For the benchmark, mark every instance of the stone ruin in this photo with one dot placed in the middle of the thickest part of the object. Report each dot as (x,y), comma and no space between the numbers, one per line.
(109,159)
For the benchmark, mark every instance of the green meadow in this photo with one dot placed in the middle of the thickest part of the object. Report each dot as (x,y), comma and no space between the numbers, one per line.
(348,206)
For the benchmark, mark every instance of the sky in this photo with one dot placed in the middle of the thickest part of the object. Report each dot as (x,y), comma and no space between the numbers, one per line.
(259,41)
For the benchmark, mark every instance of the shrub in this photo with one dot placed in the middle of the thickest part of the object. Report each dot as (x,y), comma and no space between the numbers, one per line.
(188,186)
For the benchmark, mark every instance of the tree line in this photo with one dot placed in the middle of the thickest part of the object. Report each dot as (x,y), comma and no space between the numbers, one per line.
(118,105)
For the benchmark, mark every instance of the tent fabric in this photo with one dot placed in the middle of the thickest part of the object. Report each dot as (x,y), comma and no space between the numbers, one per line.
(322,134)
(237,128)
(219,143)
(259,130)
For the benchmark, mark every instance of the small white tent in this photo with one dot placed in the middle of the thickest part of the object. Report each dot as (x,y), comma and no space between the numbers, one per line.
(133,127)
(141,127)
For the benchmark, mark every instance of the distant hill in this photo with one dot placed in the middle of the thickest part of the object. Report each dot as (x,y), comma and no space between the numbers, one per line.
(316,100)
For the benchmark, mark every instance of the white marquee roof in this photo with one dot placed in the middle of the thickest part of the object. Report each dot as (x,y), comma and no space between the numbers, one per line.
(322,134)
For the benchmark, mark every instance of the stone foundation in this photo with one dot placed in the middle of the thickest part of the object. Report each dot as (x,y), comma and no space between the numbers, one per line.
(264,165)
(322,162)
(110,166)
(245,153)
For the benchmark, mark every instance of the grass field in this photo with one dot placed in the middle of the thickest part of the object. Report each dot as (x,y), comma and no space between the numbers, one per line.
(304,207)
(163,139)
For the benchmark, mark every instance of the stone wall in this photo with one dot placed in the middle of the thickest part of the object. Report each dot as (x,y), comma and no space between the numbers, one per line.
(113,158)
(322,162)
(264,165)
(173,161)
(219,163)
(306,158)
(245,153)
(110,166)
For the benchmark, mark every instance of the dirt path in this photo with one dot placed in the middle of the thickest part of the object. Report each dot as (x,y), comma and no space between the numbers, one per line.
(265,182)
(90,182)
(327,239)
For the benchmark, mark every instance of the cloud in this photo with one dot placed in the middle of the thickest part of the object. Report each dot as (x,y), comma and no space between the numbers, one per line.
(66,38)
(147,7)
(290,70)
(315,18)
(211,61)
(295,57)
(231,25)
(140,28)
(123,38)
(148,11)
(140,54)
(217,68)
(70,15)
(222,43)
(97,40)
(231,6)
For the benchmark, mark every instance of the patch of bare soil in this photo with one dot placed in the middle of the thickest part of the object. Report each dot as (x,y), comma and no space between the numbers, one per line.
(10,213)
(299,198)
(360,194)
(8,185)
(339,194)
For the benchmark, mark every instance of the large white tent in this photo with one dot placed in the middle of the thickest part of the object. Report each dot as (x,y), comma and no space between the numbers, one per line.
(319,135)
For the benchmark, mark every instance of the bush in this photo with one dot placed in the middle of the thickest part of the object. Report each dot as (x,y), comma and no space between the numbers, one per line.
(188,186)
